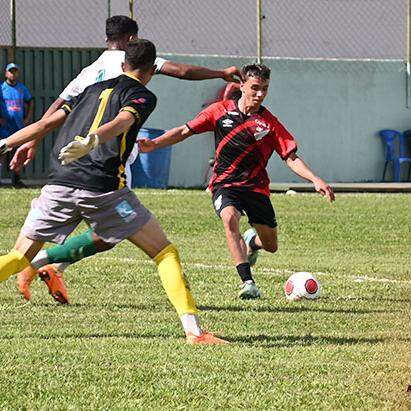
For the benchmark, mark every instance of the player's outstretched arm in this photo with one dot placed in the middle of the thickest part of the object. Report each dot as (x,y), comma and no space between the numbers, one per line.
(189,72)
(36,130)
(300,168)
(79,147)
(173,136)
(54,106)
(26,152)
(24,155)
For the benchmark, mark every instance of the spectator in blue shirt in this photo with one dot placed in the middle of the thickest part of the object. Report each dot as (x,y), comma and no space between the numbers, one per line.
(16,109)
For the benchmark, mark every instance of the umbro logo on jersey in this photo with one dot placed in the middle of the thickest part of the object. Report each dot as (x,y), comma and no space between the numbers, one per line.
(227,122)
(233,113)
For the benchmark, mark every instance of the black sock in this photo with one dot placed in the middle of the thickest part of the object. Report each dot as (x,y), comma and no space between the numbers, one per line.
(253,245)
(15,178)
(244,271)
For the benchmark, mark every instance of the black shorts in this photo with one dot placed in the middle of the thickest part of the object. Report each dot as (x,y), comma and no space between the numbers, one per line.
(257,206)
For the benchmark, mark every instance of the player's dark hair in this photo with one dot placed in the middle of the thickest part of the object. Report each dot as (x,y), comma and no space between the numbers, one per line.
(140,54)
(118,27)
(235,94)
(255,70)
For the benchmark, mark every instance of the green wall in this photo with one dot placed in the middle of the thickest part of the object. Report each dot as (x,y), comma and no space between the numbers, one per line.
(334,109)
(46,72)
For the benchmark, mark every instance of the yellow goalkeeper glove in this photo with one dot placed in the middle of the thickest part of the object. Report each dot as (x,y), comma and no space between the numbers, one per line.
(78,148)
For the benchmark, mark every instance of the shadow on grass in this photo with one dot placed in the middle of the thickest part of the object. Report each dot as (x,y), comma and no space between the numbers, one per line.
(378,300)
(229,308)
(262,340)
(291,309)
(107,306)
(91,336)
(303,340)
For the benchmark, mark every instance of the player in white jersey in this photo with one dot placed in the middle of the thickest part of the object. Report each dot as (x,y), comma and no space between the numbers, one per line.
(119,31)
(106,67)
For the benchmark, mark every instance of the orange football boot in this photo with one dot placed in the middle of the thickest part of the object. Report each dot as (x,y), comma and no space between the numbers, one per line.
(204,338)
(24,280)
(55,283)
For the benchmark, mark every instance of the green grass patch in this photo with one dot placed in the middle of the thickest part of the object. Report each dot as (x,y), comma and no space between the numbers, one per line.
(119,345)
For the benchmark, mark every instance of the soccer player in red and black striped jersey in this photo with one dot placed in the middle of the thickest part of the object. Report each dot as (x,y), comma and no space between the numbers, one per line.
(246,135)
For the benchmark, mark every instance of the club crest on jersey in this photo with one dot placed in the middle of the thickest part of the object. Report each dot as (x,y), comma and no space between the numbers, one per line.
(260,123)
(261,130)
(227,122)
(260,133)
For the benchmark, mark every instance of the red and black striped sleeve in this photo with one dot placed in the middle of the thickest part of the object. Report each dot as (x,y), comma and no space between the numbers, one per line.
(205,120)
(284,142)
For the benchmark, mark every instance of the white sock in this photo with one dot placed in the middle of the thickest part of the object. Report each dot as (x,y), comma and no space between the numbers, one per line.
(191,324)
(42,259)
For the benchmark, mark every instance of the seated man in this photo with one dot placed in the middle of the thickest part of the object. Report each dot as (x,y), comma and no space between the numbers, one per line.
(246,135)
(93,188)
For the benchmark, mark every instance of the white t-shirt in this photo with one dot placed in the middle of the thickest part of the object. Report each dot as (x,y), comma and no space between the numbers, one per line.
(107,66)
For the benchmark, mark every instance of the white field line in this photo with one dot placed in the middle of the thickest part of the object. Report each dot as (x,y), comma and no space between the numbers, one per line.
(356,278)
(171,191)
(200,193)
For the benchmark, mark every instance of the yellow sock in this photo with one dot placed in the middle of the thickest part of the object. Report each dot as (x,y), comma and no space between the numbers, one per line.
(172,277)
(12,263)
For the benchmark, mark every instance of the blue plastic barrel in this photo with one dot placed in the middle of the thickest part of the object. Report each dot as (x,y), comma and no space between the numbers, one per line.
(152,169)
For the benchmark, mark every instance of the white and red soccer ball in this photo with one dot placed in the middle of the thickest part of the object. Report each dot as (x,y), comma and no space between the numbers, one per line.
(302,285)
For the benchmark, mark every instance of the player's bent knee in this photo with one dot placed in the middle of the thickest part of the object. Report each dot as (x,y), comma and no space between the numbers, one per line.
(230,221)
(271,247)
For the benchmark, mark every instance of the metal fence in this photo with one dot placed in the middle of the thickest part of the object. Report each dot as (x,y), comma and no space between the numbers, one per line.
(295,29)
(53,39)
(46,72)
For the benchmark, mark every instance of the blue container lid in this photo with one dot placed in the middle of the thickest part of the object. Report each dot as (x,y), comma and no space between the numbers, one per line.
(150,132)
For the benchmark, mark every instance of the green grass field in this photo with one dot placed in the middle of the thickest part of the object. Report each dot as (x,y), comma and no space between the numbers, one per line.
(119,345)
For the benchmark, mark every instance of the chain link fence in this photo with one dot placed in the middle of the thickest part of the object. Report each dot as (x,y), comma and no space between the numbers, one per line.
(52,40)
(54,23)
(267,29)
(5,23)
(335,29)
(197,27)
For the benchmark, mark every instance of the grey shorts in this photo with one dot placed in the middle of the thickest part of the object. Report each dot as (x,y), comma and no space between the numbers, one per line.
(113,216)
